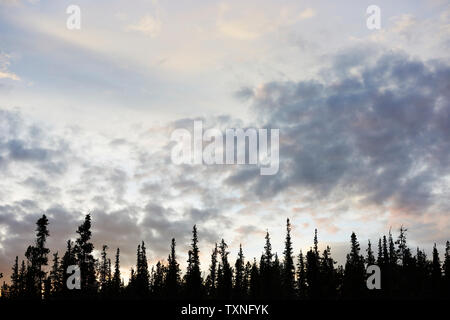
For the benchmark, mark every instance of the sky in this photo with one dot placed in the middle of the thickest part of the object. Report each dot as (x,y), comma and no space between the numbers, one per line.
(86,118)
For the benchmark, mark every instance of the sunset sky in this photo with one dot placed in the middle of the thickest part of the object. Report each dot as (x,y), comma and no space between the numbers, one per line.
(86,117)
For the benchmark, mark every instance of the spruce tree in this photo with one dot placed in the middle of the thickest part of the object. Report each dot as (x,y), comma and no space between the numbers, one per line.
(246,281)
(83,250)
(41,251)
(225,279)
(380,253)
(238,290)
(211,280)
(436,272)
(354,273)
(104,270)
(301,277)
(446,269)
(67,260)
(142,273)
(266,269)
(14,288)
(370,259)
(328,281)
(288,270)
(173,273)
(116,280)
(193,275)
(37,259)
(255,281)
(56,276)
(158,280)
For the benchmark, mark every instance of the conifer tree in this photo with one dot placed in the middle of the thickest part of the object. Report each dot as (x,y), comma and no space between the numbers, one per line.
(14,288)
(246,281)
(158,280)
(266,269)
(67,260)
(255,281)
(392,252)
(446,269)
(403,252)
(104,270)
(328,281)
(83,250)
(173,273)
(41,251)
(56,276)
(370,259)
(239,275)
(277,284)
(142,273)
(225,279)
(380,253)
(116,280)
(301,277)
(316,243)
(354,273)
(37,259)
(436,272)
(193,275)
(211,280)
(288,277)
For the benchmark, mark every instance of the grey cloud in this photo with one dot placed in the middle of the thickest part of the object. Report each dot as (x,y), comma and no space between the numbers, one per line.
(382,135)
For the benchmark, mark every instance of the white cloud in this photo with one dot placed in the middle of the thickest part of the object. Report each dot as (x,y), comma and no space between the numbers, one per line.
(148,25)
(4,64)
(307,14)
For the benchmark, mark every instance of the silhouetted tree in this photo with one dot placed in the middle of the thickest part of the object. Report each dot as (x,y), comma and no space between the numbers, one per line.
(14,287)
(83,251)
(158,279)
(225,273)
(142,284)
(173,273)
(313,269)
(56,278)
(277,291)
(354,273)
(266,269)
(116,286)
(436,273)
(328,279)
(255,281)
(193,275)
(68,259)
(301,277)
(37,258)
(370,259)
(211,279)
(239,267)
(246,281)
(446,269)
(288,273)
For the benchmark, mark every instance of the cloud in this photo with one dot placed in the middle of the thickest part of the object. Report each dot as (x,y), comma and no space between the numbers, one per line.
(17,2)
(307,14)
(148,25)
(4,65)
(379,134)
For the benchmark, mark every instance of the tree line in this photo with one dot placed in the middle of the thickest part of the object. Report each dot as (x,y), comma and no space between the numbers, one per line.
(309,275)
